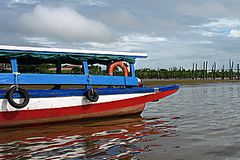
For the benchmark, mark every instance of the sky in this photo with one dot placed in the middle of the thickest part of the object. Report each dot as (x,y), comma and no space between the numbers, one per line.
(174,33)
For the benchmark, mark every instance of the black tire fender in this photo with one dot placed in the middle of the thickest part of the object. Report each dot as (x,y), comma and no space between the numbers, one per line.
(92,95)
(23,94)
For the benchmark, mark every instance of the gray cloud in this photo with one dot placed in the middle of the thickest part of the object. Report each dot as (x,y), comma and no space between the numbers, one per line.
(173,33)
(12,3)
(209,8)
(65,24)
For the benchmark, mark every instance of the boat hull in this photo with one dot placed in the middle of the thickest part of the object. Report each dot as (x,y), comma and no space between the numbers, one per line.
(66,109)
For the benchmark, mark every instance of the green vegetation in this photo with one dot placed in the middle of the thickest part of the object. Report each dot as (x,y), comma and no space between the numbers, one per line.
(35,68)
(158,82)
(181,73)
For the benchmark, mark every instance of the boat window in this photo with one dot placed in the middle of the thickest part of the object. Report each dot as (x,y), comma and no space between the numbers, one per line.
(119,72)
(5,67)
(50,68)
(71,69)
(98,69)
(36,68)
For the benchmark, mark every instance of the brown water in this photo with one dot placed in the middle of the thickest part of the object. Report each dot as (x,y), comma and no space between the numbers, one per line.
(199,122)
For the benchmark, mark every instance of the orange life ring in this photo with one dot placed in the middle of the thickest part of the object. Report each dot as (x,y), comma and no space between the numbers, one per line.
(118,64)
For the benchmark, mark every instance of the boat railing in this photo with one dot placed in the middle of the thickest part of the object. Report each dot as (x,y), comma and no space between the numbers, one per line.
(17,78)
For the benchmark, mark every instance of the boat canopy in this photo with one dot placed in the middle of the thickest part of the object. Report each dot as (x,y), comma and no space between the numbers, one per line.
(36,55)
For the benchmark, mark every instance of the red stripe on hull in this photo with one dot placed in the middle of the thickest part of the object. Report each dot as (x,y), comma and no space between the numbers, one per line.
(120,107)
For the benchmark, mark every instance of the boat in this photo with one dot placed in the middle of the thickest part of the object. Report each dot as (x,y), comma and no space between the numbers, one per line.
(100,96)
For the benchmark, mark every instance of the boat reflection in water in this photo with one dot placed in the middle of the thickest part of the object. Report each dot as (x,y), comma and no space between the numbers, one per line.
(109,138)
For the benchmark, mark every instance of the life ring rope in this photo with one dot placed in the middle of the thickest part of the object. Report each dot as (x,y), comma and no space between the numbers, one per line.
(118,64)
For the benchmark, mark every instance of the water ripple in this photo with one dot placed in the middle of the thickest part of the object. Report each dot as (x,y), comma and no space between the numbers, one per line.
(198,122)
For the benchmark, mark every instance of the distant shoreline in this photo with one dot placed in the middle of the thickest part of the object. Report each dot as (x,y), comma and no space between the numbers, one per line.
(159,82)
(146,82)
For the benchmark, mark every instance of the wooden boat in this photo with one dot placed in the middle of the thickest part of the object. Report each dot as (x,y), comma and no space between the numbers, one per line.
(119,95)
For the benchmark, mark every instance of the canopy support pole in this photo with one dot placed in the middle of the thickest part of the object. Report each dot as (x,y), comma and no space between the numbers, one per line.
(132,70)
(14,68)
(86,72)
(14,65)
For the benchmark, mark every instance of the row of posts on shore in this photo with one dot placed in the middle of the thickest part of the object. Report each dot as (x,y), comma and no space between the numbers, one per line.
(202,71)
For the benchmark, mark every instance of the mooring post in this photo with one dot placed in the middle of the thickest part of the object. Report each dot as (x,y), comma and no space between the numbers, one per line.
(193,72)
(238,76)
(212,71)
(230,69)
(223,72)
(206,69)
(196,72)
(215,68)
(203,70)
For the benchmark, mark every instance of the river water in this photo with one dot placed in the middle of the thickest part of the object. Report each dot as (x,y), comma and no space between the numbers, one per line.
(199,122)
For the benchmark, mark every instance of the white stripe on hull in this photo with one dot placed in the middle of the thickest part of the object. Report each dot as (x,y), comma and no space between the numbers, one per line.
(60,102)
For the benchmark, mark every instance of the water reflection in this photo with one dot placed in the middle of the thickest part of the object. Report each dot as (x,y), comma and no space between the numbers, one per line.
(108,139)
(199,122)
(208,125)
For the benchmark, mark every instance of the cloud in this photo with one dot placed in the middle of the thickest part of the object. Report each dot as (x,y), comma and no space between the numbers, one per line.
(133,42)
(40,41)
(171,33)
(99,3)
(64,24)
(25,2)
(224,27)
(223,23)
(121,19)
(142,38)
(234,34)
(208,8)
